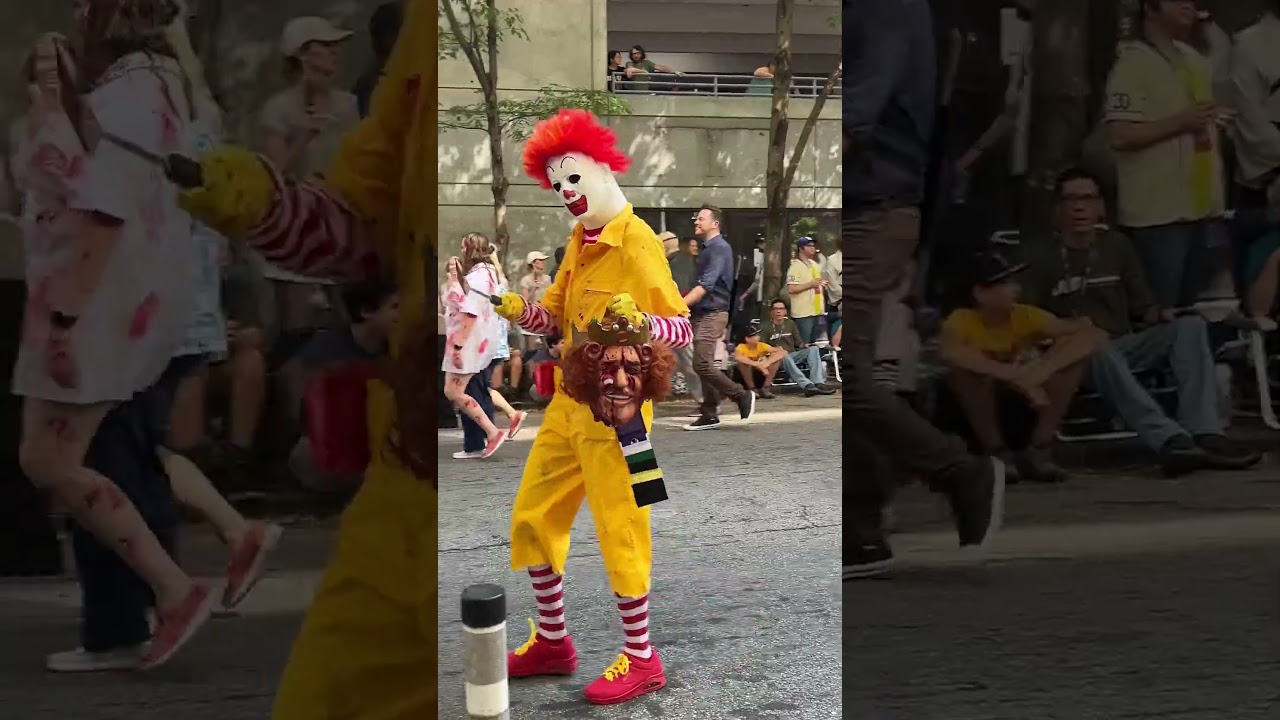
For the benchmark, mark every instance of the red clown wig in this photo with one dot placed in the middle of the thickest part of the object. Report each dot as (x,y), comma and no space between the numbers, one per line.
(571,131)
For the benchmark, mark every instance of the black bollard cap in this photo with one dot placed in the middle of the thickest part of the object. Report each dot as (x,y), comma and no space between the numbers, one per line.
(483,606)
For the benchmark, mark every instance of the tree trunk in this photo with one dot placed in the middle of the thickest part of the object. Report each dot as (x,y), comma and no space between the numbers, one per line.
(776,187)
(487,77)
(802,141)
(499,183)
(498,166)
(1060,109)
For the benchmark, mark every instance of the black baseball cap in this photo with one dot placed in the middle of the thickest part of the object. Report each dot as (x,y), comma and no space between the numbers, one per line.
(990,268)
(753,328)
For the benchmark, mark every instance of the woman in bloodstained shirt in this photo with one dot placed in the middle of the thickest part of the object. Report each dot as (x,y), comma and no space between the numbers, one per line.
(470,328)
(105,311)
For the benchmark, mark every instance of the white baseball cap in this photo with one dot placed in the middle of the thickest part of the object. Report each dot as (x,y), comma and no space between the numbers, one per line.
(535,255)
(300,31)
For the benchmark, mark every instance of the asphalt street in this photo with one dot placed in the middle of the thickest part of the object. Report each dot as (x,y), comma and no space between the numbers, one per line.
(1116,597)
(745,601)
(228,672)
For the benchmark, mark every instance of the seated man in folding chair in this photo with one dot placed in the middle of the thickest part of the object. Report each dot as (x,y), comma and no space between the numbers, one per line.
(1001,381)
(1086,271)
(806,368)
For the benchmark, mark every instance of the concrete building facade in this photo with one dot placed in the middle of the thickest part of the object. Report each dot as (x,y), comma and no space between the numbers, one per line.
(687,149)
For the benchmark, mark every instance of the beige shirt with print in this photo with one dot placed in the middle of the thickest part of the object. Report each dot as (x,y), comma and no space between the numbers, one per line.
(286,114)
(1156,184)
(809,302)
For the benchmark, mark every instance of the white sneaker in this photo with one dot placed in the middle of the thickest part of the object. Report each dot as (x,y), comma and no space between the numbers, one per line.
(83,661)
(464,455)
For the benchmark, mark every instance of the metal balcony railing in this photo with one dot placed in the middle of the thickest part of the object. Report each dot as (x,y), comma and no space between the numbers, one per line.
(716,85)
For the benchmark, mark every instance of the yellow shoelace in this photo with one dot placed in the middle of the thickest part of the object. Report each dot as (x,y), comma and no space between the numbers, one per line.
(533,638)
(619,667)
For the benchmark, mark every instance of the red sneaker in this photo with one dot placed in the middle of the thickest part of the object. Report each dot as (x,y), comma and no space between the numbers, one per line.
(517,422)
(627,678)
(247,561)
(493,444)
(539,656)
(176,625)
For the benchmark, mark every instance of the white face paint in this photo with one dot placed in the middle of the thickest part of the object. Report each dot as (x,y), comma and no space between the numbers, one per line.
(587,188)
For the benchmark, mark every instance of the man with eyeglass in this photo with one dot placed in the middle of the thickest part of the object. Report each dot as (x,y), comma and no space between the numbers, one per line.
(1088,271)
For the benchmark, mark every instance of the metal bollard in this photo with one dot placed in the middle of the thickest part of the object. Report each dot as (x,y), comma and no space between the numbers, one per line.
(484,648)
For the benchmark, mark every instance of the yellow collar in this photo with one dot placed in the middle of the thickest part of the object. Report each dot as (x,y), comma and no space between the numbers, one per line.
(613,230)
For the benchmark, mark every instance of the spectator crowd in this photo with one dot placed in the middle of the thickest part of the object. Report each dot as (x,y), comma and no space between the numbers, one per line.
(792,343)
(1158,250)
(261,334)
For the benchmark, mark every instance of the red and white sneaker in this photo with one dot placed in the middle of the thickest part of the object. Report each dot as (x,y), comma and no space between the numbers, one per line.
(493,444)
(177,625)
(247,561)
(517,422)
(627,678)
(540,656)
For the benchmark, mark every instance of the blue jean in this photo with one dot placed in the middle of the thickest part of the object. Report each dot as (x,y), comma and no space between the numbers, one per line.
(473,436)
(812,357)
(1181,259)
(115,600)
(809,328)
(1183,346)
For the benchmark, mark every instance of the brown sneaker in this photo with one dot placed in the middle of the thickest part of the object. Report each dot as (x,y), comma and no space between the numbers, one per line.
(247,562)
(178,624)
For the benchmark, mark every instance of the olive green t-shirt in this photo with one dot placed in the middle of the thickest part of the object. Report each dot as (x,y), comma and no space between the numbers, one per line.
(1104,283)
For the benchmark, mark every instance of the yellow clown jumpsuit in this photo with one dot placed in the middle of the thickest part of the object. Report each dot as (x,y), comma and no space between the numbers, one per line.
(574,456)
(368,650)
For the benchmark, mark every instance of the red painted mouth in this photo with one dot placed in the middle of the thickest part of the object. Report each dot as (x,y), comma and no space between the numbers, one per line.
(579,206)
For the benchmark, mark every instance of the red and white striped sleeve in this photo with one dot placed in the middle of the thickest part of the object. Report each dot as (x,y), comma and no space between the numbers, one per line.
(676,332)
(310,230)
(537,319)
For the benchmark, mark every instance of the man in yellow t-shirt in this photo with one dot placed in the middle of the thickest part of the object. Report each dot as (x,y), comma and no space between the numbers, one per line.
(805,285)
(991,350)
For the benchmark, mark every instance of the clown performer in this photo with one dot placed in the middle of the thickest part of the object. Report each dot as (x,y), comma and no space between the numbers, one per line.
(368,646)
(613,265)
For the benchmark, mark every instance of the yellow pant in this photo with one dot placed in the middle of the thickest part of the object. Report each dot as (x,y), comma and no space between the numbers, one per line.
(575,456)
(368,650)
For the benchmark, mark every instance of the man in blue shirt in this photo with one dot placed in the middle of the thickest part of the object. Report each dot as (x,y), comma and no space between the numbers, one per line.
(708,303)
(889,98)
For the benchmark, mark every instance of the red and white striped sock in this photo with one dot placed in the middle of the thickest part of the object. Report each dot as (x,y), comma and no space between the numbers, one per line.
(635,623)
(548,588)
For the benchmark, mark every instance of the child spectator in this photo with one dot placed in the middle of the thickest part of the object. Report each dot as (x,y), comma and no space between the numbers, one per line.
(754,357)
(507,352)
(995,374)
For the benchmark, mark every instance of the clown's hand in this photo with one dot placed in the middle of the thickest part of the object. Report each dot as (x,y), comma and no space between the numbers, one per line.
(511,307)
(236,192)
(624,306)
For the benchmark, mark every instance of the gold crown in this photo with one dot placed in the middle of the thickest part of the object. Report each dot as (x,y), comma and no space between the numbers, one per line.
(616,330)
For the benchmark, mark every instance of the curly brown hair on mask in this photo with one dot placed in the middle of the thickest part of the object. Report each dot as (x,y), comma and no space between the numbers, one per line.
(581,369)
